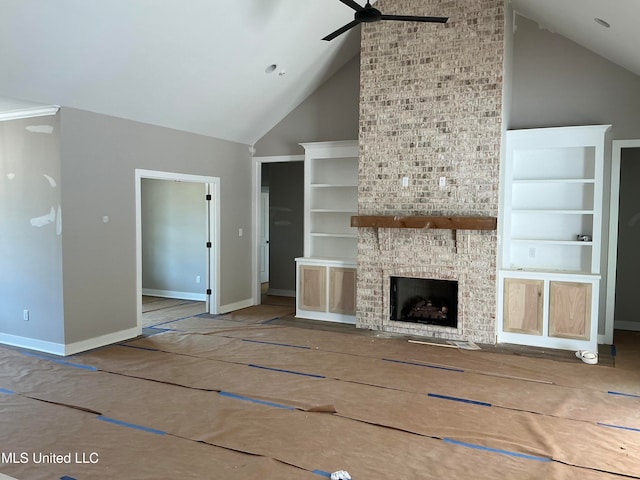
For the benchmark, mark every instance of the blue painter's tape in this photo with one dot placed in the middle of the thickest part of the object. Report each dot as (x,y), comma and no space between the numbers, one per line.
(632,429)
(497,450)
(322,473)
(60,362)
(457,399)
(287,371)
(277,344)
(450,369)
(139,348)
(7,391)
(264,322)
(130,425)
(255,400)
(633,395)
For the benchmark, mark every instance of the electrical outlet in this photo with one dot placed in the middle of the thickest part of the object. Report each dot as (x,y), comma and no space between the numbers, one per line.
(198,279)
(405,182)
(25,315)
(532,252)
(240,232)
(442,181)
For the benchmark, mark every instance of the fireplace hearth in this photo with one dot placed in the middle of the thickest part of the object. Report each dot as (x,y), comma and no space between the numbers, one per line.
(423,300)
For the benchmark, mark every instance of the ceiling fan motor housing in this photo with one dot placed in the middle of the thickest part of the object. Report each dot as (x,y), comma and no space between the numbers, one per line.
(368,15)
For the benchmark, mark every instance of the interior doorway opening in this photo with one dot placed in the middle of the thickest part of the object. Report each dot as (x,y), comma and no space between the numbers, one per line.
(177,250)
(624,233)
(279,227)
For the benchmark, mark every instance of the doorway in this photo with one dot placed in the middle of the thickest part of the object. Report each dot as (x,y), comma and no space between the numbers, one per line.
(279,220)
(179,280)
(624,235)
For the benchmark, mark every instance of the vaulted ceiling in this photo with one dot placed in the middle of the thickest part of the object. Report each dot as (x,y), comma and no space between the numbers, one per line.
(201,65)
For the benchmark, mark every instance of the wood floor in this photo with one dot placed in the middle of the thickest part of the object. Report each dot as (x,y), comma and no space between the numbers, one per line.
(258,394)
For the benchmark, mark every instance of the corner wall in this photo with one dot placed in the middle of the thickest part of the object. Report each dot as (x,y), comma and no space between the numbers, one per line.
(31,233)
(99,158)
(431,102)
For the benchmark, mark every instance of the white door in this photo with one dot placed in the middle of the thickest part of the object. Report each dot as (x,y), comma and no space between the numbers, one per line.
(264,237)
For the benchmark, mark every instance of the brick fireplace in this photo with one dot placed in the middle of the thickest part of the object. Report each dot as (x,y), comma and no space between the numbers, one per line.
(431,108)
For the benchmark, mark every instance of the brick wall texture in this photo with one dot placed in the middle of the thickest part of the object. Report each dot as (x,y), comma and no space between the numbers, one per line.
(431,107)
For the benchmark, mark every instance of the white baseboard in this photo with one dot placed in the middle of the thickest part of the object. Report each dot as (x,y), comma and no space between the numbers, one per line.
(101,341)
(200,297)
(281,293)
(71,348)
(620,325)
(32,344)
(230,307)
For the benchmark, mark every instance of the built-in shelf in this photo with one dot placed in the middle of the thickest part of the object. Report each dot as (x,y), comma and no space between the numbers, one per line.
(554,180)
(435,222)
(551,242)
(548,280)
(332,185)
(553,212)
(326,275)
(335,235)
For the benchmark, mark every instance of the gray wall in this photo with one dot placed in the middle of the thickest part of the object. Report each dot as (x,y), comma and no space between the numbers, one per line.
(174,236)
(99,158)
(286,223)
(330,113)
(30,236)
(626,307)
(556,82)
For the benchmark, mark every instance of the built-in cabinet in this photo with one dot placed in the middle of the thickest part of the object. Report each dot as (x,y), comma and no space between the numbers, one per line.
(551,234)
(326,274)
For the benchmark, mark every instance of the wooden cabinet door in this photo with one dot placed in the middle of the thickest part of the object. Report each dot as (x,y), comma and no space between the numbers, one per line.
(523,307)
(342,290)
(313,288)
(570,310)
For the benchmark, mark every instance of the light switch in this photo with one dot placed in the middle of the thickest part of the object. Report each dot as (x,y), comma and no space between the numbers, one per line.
(442,182)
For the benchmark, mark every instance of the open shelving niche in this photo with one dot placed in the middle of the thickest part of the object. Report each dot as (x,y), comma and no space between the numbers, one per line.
(330,243)
(551,227)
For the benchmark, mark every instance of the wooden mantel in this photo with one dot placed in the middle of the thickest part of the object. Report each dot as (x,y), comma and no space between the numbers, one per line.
(449,223)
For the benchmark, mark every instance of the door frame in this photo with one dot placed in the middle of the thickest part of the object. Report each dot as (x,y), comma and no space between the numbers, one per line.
(256,193)
(212,187)
(614,206)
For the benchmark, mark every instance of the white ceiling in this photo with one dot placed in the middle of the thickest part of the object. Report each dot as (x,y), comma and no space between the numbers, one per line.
(199,65)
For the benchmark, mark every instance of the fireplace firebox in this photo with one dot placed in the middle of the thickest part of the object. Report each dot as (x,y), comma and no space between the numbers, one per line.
(424,300)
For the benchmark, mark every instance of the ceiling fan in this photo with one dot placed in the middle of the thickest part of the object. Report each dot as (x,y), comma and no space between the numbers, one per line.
(368,14)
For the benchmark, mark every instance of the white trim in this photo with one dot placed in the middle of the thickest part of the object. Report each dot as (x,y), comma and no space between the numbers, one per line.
(230,307)
(200,297)
(32,344)
(280,158)
(101,341)
(29,113)
(214,226)
(70,348)
(633,326)
(614,205)
(256,189)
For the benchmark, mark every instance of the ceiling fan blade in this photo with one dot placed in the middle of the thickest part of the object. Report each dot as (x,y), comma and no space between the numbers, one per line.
(352,4)
(341,30)
(411,18)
